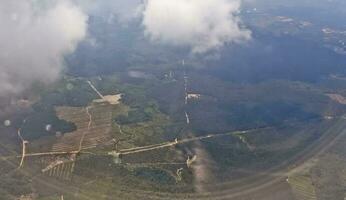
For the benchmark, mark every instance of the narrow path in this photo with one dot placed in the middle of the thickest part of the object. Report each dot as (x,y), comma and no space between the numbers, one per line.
(186,96)
(146,147)
(187,118)
(136,149)
(24,142)
(94,88)
(84,133)
(185,86)
(176,142)
(154,164)
(120,130)
(49,154)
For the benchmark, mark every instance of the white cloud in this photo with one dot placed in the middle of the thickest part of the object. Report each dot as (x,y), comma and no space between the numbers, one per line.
(203,25)
(124,10)
(34,38)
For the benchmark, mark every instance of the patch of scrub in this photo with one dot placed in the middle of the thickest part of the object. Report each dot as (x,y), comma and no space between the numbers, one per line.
(155,175)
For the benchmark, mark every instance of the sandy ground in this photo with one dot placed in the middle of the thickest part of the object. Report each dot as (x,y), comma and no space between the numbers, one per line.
(111,99)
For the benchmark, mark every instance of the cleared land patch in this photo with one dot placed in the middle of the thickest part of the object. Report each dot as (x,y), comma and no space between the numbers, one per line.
(112,99)
(302,187)
(99,131)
